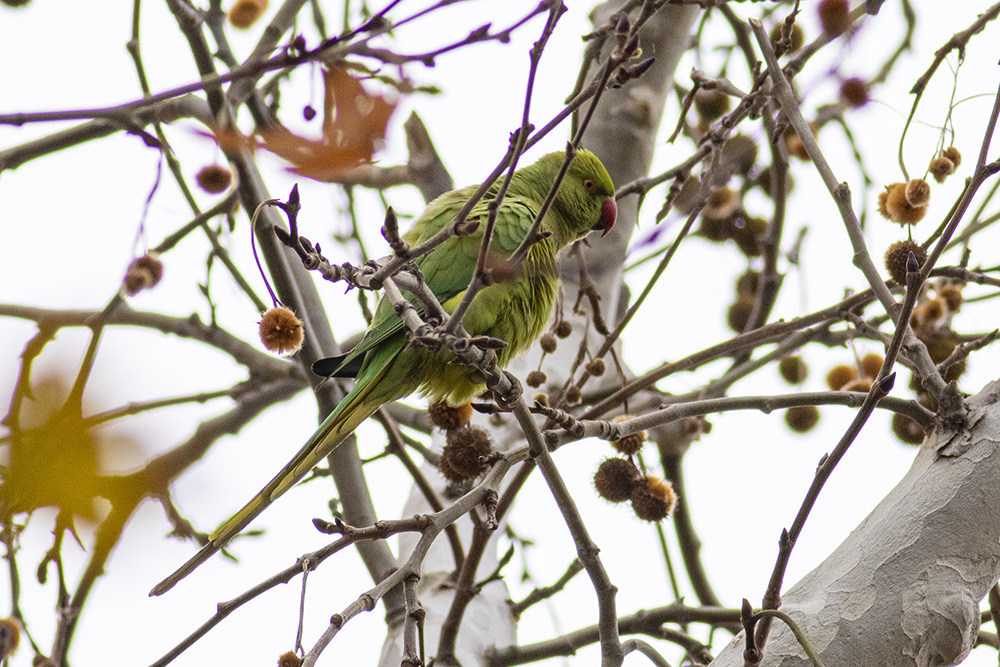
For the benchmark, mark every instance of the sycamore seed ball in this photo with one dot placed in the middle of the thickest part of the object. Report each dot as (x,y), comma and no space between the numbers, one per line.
(953,154)
(941,168)
(834,16)
(535,379)
(793,369)
(653,499)
(615,478)
(802,418)
(464,454)
(841,375)
(143,273)
(896,259)
(281,331)
(907,430)
(871,364)
(289,659)
(244,13)
(447,417)
(214,178)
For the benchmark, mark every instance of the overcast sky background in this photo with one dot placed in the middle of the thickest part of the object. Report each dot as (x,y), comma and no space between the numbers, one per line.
(70,223)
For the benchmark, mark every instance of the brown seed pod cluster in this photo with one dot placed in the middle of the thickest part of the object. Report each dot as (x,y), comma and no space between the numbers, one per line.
(897,256)
(281,331)
(289,659)
(466,454)
(143,273)
(535,379)
(905,203)
(859,377)
(938,302)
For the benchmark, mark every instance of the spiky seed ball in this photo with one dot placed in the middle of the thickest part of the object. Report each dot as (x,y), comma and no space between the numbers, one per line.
(941,168)
(714,229)
(740,151)
(711,104)
(746,285)
(548,343)
(630,444)
(932,310)
(940,346)
(840,376)
(653,499)
(721,203)
(907,430)
(834,16)
(747,233)
(536,379)
(541,399)
(596,367)
(290,659)
(214,178)
(564,329)
(281,331)
(918,192)
(143,273)
(795,36)
(896,258)
(897,208)
(793,369)
(573,395)
(464,454)
(245,13)
(739,313)
(447,417)
(954,155)
(10,636)
(615,478)
(794,145)
(871,364)
(802,418)
(855,92)
(952,297)
(863,385)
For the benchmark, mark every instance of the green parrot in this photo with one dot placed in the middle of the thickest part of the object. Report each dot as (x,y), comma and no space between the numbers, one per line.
(515,309)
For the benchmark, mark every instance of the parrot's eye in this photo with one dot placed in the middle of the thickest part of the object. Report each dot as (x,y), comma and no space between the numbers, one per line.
(589,184)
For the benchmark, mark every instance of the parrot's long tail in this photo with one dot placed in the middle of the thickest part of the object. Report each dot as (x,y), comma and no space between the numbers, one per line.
(356,407)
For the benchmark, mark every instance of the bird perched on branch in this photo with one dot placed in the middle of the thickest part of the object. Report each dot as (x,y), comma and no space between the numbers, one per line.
(514,307)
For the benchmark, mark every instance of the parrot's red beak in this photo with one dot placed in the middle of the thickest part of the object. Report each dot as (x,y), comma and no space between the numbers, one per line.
(609,212)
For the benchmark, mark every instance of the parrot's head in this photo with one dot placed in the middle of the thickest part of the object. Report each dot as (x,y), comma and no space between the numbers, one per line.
(586,198)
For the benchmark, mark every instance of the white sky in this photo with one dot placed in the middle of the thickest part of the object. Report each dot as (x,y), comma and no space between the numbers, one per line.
(69,222)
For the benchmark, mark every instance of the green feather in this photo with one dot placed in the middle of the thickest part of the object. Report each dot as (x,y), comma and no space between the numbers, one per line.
(514,309)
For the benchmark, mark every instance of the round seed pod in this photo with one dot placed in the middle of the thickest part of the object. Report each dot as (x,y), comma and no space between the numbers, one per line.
(245,13)
(653,499)
(615,478)
(802,418)
(281,331)
(841,375)
(896,258)
(447,417)
(793,369)
(464,454)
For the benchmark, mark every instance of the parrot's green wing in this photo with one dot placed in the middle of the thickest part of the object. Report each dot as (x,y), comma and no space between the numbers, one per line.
(447,270)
